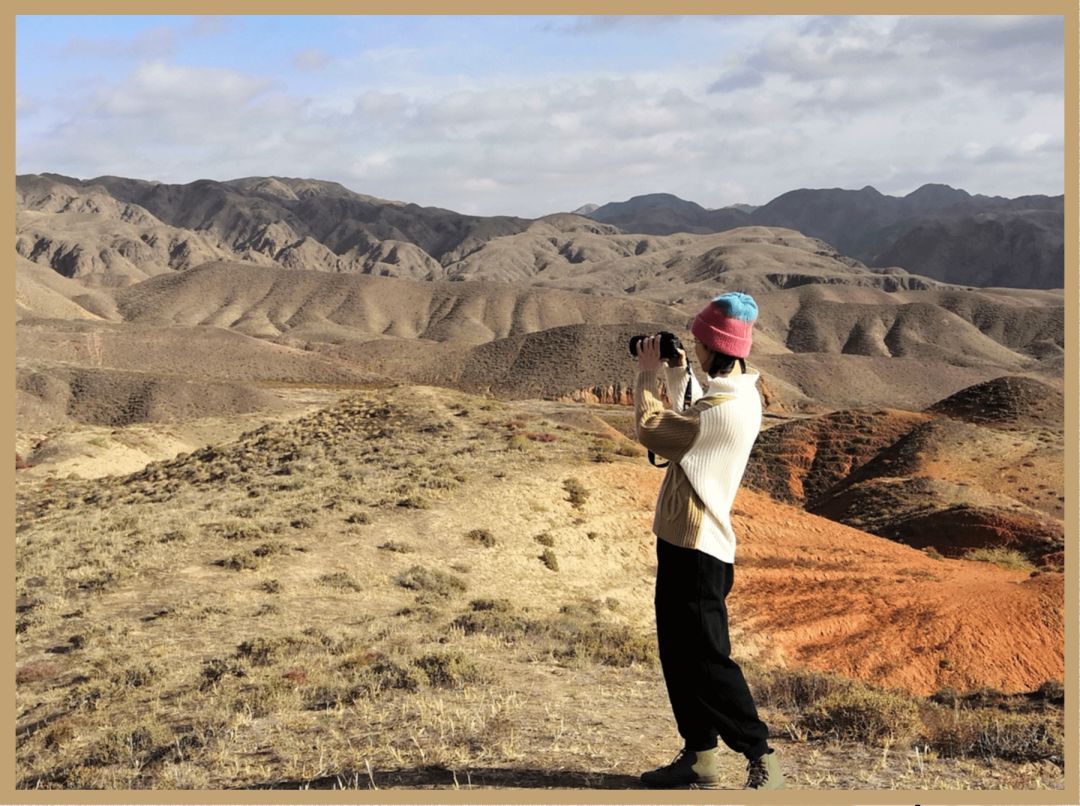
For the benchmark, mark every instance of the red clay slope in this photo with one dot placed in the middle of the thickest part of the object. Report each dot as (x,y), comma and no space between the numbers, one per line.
(820,594)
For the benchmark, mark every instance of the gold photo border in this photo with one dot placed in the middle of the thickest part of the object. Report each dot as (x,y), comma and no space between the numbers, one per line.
(1067,797)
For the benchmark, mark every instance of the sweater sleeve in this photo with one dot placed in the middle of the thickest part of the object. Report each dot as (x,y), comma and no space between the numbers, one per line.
(665,432)
(676,379)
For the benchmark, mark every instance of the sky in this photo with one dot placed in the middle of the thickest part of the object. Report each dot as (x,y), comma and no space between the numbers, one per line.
(529,115)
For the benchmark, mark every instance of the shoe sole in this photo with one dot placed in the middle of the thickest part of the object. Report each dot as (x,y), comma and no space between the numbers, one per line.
(695,785)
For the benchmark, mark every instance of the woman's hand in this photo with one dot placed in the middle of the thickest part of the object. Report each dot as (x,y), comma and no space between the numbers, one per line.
(648,355)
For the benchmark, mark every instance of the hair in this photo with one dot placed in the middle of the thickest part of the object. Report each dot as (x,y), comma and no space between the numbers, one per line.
(722,364)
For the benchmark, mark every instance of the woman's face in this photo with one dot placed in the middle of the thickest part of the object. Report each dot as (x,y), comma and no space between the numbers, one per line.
(702,353)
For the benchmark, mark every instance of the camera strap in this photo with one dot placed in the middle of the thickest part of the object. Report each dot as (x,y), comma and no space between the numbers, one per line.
(687,396)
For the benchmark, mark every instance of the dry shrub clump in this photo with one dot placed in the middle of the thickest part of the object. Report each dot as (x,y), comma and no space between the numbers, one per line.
(431,581)
(985,724)
(577,491)
(340,580)
(482,536)
(449,669)
(863,714)
(493,617)
(793,689)
(609,645)
(1006,558)
(603,450)
(991,733)
(550,561)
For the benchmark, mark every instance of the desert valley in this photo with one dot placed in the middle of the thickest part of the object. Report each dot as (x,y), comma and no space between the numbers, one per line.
(316,489)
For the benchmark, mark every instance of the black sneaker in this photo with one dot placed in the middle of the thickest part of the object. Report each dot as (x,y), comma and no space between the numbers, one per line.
(764,773)
(688,769)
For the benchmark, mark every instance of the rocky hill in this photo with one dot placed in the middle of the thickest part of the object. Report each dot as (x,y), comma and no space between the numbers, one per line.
(978,470)
(936,231)
(665,214)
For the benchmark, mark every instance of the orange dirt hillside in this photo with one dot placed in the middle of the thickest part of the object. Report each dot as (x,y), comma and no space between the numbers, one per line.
(812,592)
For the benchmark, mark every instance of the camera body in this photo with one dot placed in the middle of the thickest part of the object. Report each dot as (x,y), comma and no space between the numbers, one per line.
(669,345)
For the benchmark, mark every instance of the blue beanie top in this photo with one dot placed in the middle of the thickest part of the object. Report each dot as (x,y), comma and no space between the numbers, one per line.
(737,305)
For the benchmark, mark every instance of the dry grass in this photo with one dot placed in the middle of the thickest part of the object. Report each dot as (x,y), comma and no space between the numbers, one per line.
(357,651)
(1006,558)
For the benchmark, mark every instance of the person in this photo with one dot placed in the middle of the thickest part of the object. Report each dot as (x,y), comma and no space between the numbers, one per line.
(707,444)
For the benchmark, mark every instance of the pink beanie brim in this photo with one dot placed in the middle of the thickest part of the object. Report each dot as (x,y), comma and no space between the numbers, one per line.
(726,325)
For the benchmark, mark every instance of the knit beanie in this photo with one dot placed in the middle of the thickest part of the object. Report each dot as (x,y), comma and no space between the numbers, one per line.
(725,325)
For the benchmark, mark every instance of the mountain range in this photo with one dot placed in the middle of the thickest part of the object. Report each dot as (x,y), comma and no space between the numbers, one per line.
(936,231)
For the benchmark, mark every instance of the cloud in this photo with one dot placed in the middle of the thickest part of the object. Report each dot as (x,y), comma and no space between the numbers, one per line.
(313,59)
(158,42)
(206,26)
(25,105)
(589,25)
(1017,150)
(161,89)
(785,103)
(740,79)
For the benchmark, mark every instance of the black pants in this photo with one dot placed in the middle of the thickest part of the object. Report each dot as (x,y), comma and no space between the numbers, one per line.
(706,687)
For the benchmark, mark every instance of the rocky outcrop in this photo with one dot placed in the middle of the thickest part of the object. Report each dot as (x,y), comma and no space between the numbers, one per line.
(613,394)
(798,461)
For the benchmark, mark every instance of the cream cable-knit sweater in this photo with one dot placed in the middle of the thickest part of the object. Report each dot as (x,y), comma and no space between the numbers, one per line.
(708,445)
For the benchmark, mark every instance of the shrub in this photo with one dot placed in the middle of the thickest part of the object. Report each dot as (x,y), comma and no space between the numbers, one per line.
(481,536)
(862,714)
(431,581)
(385,674)
(577,491)
(1052,691)
(263,651)
(400,548)
(1006,558)
(358,517)
(492,617)
(537,436)
(549,560)
(340,580)
(610,645)
(449,669)
(794,689)
(245,561)
(991,733)
(545,539)
(628,449)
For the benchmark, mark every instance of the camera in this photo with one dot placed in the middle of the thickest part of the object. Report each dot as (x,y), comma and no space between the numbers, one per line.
(669,345)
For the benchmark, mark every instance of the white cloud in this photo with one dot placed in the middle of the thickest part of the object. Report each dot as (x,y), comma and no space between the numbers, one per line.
(205,26)
(795,103)
(158,88)
(24,104)
(158,42)
(313,59)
